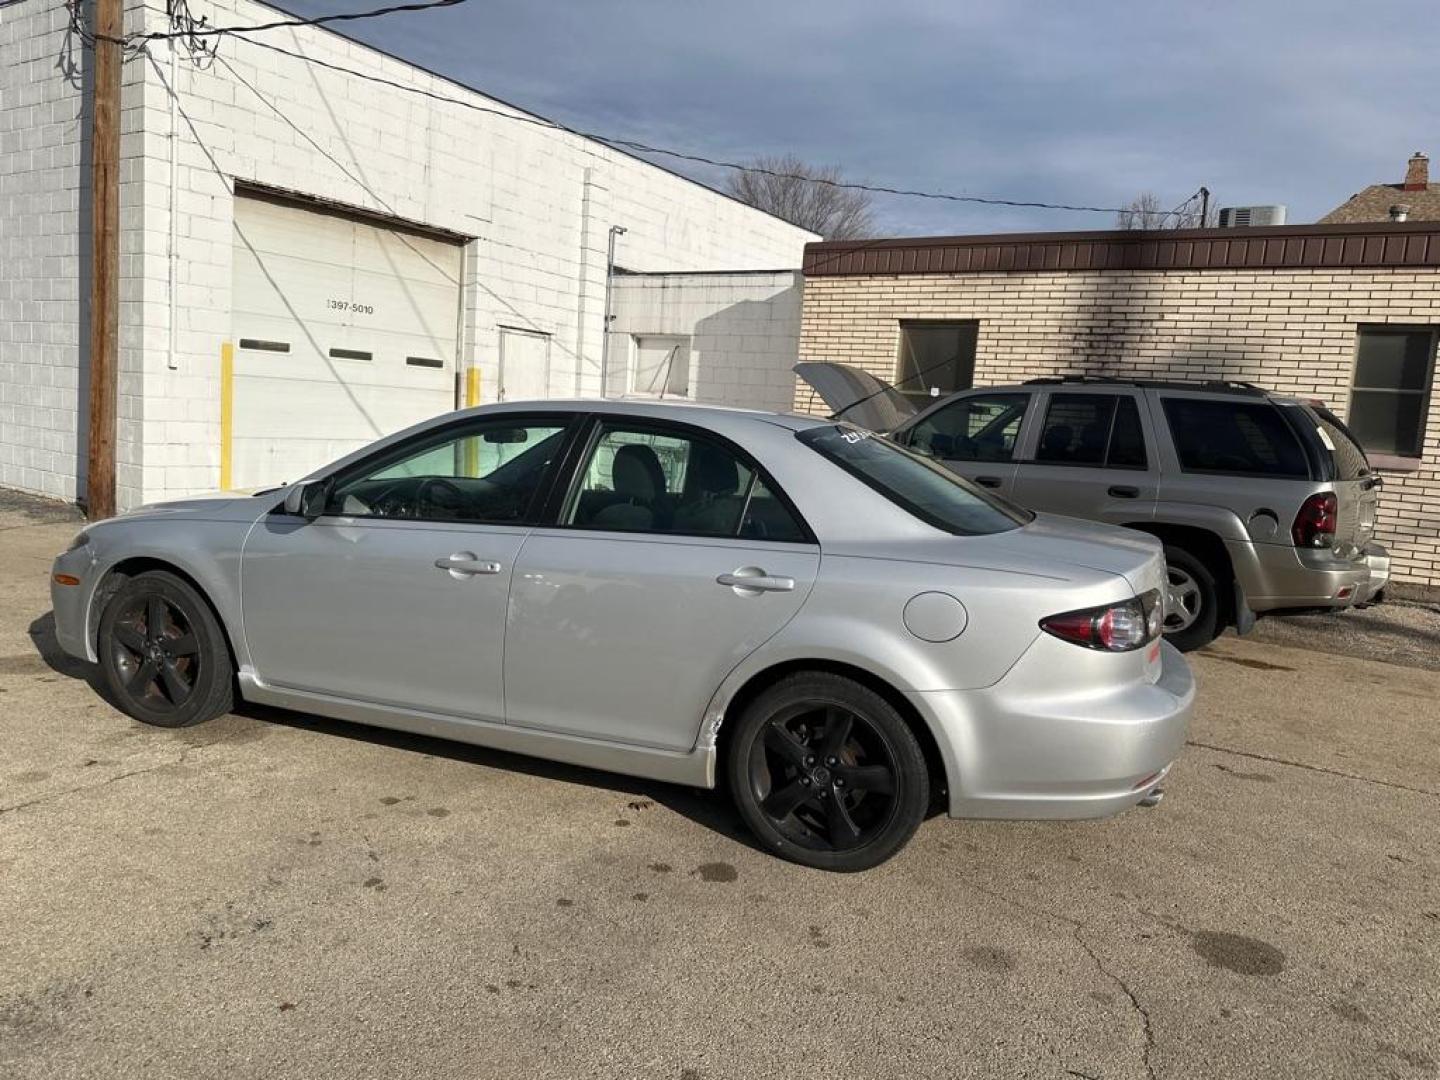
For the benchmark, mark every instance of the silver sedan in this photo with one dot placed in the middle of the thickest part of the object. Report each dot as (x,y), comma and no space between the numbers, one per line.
(838,630)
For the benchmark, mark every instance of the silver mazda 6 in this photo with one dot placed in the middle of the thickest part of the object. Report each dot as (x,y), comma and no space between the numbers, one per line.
(838,630)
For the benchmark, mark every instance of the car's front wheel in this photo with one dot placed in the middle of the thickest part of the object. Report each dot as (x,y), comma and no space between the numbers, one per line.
(163,653)
(827,773)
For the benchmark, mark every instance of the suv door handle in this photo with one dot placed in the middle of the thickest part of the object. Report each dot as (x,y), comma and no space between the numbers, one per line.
(988,481)
(1124,491)
(466,564)
(751,579)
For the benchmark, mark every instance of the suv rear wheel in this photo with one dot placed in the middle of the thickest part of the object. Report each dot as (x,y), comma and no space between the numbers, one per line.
(1192,606)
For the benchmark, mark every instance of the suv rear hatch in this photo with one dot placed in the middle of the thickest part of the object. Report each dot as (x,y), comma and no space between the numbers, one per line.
(855,395)
(1357,487)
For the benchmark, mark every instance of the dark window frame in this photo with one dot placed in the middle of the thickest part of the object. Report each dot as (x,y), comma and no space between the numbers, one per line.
(901,382)
(1146,442)
(575,461)
(1424,394)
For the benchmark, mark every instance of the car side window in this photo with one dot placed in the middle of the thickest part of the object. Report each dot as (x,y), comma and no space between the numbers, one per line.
(486,472)
(1100,430)
(1234,437)
(983,427)
(642,480)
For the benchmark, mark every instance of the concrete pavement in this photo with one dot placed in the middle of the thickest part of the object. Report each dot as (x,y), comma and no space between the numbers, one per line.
(273,895)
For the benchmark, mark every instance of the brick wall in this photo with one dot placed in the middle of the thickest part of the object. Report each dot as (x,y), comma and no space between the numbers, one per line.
(1291,331)
(743,331)
(40,272)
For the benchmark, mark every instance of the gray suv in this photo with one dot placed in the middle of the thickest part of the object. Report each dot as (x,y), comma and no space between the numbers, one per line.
(1264,502)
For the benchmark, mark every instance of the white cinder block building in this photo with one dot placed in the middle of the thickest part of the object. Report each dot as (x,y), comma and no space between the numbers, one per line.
(312,257)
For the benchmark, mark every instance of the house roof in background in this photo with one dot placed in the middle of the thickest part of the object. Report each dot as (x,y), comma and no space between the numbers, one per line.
(1374,203)
(1281,247)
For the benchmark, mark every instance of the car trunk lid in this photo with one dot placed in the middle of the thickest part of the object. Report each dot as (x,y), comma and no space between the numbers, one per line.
(855,395)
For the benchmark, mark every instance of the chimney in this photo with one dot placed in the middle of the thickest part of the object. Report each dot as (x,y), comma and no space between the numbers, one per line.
(1417,173)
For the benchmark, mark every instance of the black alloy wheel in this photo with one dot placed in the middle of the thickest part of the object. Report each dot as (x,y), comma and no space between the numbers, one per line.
(163,654)
(828,774)
(157,653)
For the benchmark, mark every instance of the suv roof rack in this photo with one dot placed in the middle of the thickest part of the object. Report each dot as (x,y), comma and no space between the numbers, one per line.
(1219,386)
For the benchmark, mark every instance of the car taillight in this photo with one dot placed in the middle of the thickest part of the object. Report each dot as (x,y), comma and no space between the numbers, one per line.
(1123,627)
(1315,523)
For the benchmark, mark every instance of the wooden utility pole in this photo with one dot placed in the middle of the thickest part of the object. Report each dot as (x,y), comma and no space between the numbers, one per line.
(105,259)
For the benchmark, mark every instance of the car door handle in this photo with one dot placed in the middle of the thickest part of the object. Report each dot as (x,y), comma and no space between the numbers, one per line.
(753,579)
(465,564)
(1124,491)
(988,481)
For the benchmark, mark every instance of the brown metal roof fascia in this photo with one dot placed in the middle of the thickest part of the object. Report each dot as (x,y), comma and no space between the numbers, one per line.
(1287,247)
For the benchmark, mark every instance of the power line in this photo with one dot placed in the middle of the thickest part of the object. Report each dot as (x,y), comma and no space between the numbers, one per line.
(646,148)
(197,29)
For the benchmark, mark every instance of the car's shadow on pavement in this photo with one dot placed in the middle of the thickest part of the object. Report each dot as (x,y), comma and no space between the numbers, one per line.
(711,809)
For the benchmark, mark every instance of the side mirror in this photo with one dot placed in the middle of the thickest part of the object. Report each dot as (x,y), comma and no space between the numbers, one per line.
(307,500)
(942,446)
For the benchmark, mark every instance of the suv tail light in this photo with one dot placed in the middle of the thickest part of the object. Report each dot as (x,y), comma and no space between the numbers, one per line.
(1315,523)
(1123,627)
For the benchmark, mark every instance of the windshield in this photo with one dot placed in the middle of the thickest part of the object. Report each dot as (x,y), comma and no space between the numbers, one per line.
(916,484)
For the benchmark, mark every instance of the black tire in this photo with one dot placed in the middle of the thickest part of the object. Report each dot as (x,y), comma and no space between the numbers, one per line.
(1200,623)
(826,773)
(163,654)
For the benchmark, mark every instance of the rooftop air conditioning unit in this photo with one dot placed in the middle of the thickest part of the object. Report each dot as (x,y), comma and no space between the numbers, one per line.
(1241,217)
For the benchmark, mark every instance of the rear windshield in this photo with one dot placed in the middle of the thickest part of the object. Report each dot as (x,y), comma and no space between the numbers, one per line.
(1345,453)
(1234,437)
(916,484)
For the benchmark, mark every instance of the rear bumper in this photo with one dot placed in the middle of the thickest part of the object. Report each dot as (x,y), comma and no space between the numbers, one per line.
(1027,748)
(1286,577)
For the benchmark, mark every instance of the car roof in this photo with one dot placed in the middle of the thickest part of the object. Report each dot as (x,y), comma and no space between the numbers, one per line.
(691,411)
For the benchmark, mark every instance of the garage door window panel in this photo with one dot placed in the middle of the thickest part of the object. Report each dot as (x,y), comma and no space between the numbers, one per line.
(490,473)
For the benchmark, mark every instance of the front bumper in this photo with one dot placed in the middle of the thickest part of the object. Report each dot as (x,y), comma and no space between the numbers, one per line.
(71,603)
(1029,747)
(1287,577)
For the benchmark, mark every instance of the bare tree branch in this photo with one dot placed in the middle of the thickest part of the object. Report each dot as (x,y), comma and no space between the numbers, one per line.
(834,213)
(1146,211)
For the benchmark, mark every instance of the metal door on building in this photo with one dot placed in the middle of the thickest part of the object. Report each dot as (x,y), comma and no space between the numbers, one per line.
(344,329)
(524,365)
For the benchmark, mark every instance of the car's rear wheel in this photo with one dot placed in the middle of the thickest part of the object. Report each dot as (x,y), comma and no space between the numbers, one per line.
(827,773)
(163,654)
(1192,604)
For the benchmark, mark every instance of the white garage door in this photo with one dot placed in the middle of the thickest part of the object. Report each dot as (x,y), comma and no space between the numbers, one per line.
(344,331)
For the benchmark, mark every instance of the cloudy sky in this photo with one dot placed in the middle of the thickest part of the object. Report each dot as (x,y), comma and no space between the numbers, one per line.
(1301,102)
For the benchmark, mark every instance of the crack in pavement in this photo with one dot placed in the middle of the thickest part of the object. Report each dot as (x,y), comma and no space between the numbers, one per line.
(1311,768)
(1076,929)
(53,795)
(1141,1011)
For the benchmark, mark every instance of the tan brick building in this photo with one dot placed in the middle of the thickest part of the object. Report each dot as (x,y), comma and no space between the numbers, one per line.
(1346,313)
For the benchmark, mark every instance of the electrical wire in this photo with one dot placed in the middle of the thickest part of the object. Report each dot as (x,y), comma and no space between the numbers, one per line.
(196,29)
(646,148)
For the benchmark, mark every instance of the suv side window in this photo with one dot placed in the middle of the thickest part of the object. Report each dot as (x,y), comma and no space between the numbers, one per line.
(1100,430)
(640,479)
(1231,436)
(984,427)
